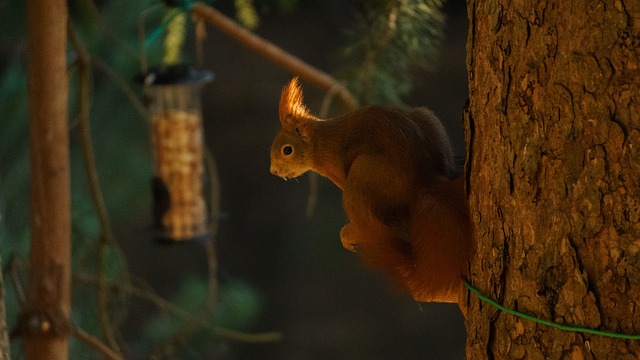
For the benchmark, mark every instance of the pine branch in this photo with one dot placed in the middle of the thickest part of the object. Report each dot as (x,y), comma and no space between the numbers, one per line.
(274,53)
(390,39)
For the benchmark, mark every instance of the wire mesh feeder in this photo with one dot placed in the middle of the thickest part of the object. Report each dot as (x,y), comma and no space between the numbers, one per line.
(180,208)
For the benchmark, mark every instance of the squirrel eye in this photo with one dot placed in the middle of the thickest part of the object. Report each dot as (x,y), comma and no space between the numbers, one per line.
(287,150)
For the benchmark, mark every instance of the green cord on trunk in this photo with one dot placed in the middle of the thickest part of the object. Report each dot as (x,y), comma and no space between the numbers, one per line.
(546,322)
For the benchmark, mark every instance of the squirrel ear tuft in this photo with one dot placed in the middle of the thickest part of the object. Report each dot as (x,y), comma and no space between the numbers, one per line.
(287,121)
(291,105)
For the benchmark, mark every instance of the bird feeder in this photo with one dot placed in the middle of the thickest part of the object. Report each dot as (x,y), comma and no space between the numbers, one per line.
(173,95)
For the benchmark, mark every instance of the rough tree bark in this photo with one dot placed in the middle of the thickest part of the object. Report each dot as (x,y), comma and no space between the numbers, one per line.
(554,176)
(44,321)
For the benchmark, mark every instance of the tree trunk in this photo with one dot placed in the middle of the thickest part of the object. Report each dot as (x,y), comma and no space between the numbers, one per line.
(44,322)
(5,346)
(554,176)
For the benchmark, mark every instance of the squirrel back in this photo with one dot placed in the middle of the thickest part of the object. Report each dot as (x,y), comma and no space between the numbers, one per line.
(407,216)
(410,139)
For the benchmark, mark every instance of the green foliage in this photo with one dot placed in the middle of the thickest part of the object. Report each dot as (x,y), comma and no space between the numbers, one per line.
(387,41)
(14,160)
(237,306)
(287,6)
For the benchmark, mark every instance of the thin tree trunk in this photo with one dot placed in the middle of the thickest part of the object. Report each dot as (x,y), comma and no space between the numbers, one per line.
(5,346)
(554,176)
(44,322)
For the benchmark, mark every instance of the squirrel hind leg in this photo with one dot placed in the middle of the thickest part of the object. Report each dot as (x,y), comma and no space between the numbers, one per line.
(377,245)
(441,240)
(395,218)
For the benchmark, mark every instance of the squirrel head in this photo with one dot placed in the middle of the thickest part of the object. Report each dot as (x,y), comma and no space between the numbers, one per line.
(290,151)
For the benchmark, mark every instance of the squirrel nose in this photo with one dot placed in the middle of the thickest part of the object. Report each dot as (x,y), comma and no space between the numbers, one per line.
(274,171)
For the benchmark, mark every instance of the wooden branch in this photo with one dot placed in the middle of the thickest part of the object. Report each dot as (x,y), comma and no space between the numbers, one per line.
(274,53)
(5,346)
(168,307)
(95,343)
(49,289)
(106,235)
(122,85)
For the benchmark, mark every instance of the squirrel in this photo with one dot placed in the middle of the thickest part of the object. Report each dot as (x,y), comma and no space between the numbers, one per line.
(407,213)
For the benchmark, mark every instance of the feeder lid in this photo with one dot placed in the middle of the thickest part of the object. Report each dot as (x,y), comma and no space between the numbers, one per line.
(176,74)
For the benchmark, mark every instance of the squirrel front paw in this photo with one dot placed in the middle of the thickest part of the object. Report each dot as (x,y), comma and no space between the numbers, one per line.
(348,239)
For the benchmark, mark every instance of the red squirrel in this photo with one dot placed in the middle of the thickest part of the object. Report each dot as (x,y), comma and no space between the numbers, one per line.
(406,213)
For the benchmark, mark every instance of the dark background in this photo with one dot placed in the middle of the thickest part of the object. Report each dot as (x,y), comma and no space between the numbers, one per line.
(315,292)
